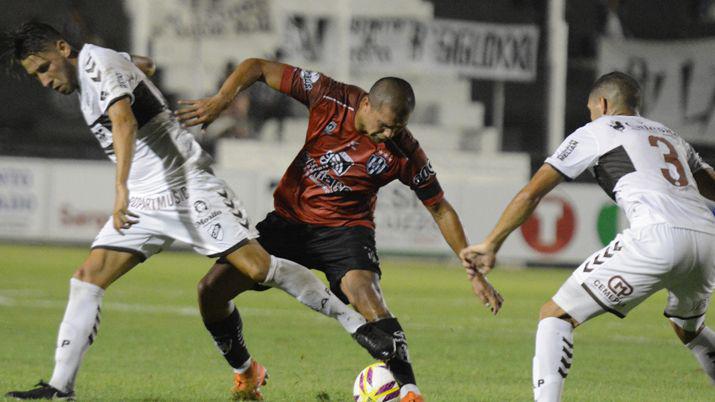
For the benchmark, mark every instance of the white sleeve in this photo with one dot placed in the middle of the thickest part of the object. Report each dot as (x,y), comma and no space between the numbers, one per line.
(578,152)
(695,162)
(113,76)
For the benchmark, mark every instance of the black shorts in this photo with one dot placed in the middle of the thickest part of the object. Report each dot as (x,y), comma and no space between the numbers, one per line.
(333,250)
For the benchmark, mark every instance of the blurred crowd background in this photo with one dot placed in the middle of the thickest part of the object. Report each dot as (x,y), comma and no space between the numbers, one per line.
(34,122)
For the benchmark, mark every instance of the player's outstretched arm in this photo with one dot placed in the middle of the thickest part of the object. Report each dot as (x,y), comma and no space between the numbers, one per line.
(146,64)
(706,182)
(449,224)
(124,131)
(482,257)
(205,111)
(451,227)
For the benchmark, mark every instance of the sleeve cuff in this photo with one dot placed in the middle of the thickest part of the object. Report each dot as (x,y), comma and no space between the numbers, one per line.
(566,177)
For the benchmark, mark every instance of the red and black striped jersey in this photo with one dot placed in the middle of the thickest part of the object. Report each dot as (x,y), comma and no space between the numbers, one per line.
(334,179)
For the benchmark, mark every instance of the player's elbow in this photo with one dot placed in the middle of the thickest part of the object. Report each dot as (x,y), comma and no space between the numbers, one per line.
(528,196)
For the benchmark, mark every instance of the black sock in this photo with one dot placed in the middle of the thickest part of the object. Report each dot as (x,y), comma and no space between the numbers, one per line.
(400,365)
(228,336)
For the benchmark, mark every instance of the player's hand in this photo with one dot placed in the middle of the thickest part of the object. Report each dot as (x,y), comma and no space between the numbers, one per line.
(486,293)
(201,111)
(478,258)
(122,218)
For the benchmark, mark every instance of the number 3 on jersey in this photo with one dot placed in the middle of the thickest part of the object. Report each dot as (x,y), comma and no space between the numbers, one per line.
(672,158)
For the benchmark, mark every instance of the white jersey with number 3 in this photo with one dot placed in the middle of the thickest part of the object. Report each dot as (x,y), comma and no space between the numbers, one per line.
(643,165)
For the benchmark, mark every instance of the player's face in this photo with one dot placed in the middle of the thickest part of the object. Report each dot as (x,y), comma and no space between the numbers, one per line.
(595,106)
(379,124)
(52,68)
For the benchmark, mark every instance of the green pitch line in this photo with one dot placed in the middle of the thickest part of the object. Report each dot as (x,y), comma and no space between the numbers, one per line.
(152,344)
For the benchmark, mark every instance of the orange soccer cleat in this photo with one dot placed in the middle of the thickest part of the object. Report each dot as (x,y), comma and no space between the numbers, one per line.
(412,397)
(246,385)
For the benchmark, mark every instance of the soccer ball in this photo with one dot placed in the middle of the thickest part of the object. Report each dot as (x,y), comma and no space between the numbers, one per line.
(376,384)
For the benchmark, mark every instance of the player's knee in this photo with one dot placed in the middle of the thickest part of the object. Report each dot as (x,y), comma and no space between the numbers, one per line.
(548,309)
(687,330)
(252,261)
(551,309)
(90,272)
(204,289)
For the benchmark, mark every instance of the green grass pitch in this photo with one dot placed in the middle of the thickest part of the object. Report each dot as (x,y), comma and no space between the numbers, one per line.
(152,345)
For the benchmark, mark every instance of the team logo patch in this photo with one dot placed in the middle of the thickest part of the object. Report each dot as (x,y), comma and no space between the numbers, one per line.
(376,164)
(200,206)
(339,162)
(617,125)
(619,286)
(216,231)
(425,173)
(330,127)
(371,254)
(309,79)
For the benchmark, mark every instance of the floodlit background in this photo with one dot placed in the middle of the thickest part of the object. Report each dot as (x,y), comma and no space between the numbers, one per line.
(499,84)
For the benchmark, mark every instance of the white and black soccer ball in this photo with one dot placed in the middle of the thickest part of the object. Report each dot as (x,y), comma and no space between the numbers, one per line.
(376,384)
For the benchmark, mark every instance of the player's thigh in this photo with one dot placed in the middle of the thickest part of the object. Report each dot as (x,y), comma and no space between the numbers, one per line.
(618,277)
(251,260)
(113,253)
(222,283)
(691,286)
(104,266)
(341,250)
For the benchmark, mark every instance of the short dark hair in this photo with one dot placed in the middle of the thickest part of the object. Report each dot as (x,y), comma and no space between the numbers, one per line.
(394,92)
(625,89)
(29,38)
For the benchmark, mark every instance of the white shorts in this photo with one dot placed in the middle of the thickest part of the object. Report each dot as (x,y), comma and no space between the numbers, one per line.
(638,263)
(203,213)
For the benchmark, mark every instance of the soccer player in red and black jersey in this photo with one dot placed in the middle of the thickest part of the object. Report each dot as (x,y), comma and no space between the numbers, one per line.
(356,142)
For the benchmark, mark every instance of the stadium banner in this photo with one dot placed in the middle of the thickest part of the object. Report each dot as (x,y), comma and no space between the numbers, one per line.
(69,201)
(474,49)
(23,198)
(678,90)
(81,199)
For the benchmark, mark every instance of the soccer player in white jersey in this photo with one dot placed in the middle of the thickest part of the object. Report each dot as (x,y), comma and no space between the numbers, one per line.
(662,184)
(165,191)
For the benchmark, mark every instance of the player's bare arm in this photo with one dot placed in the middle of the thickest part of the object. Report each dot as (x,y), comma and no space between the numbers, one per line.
(205,111)
(451,227)
(146,64)
(705,178)
(481,257)
(124,130)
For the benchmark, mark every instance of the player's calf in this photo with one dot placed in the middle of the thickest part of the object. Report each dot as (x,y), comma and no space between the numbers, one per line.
(553,353)
(699,339)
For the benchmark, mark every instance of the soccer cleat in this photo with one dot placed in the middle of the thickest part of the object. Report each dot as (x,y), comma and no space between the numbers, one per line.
(246,385)
(412,397)
(377,342)
(42,390)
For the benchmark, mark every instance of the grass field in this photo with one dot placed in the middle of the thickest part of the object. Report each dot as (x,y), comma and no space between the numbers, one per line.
(152,345)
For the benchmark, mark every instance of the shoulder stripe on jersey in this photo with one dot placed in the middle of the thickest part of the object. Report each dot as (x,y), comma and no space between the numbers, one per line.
(338,102)
(146,104)
(611,166)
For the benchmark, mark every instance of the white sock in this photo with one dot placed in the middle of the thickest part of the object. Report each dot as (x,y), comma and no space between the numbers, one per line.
(300,283)
(552,360)
(77,331)
(407,388)
(703,348)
